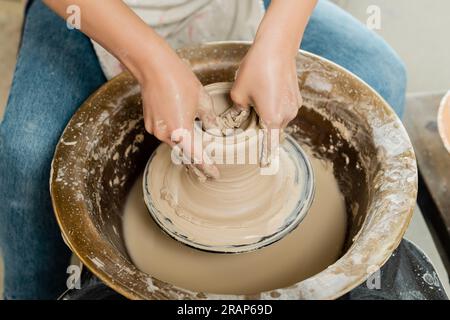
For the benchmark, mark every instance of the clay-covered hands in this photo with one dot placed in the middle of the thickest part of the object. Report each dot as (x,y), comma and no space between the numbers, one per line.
(268,81)
(172,99)
(267,77)
(171,94)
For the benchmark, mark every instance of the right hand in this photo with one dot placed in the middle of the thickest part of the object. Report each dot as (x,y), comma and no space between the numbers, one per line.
(172,98)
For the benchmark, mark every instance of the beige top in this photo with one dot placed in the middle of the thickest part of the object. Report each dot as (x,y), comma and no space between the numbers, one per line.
(183,22)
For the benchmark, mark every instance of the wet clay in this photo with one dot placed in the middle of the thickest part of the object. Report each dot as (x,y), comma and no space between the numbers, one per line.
(315,244)
(241,207)
(241,210)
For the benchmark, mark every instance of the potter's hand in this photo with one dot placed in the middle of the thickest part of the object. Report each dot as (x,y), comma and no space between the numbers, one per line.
(172,95)
(172,98)
(267,77)
(267,80)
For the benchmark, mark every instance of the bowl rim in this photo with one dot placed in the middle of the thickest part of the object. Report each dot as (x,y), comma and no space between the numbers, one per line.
(327,284)
(443,107)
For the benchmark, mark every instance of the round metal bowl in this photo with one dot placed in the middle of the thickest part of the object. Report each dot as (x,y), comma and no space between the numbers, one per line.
(105,147)
(292,219)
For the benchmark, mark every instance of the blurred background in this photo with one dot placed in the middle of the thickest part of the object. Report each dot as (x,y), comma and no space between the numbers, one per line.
(416,29)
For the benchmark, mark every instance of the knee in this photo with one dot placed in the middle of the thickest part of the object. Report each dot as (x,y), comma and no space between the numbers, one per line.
(398,84)
(26,152)
(25,160)
(339,37)
(375,62)
(387,74)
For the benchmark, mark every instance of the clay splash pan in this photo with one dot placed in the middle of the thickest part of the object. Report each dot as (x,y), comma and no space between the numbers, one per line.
(105,148)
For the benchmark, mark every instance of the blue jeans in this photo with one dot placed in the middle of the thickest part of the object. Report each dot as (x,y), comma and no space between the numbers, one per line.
(56,71)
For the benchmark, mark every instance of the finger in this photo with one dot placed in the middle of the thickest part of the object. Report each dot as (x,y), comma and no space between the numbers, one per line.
(233,118)
(148,123)
(181,158)
(270,143)
(182,155)
(239,97)
(192,151)
(148,120)
(160,130)
(148,126)
(201,176)
(270,159)
(205,110)
(202,166)
(292,107)
(270,121)
(291,115)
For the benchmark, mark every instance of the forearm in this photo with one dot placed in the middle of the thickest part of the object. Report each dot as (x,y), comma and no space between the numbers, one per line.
(284,23)
(119,30)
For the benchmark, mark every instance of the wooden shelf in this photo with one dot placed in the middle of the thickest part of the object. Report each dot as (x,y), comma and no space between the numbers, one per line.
(433,160)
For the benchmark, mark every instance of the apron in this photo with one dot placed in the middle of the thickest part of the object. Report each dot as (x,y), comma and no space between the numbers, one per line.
(187,22)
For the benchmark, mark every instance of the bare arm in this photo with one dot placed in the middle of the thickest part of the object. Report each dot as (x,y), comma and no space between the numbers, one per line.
(119,30)
(171,93)
(284,24)
(267,77)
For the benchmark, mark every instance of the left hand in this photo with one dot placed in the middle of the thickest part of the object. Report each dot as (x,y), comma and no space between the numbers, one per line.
(267,80)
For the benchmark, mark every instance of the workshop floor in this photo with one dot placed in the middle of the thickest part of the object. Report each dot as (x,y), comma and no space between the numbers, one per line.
(413,30)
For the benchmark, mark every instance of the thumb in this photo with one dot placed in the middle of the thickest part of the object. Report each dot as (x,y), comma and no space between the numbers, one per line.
(240,97)
(270,149)
(192,155)
(205,110)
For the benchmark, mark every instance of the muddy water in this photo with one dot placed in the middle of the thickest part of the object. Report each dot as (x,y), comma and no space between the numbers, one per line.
(310,248)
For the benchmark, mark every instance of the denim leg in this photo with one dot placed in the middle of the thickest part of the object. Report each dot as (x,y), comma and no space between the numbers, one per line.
(56,71)
(334,34)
